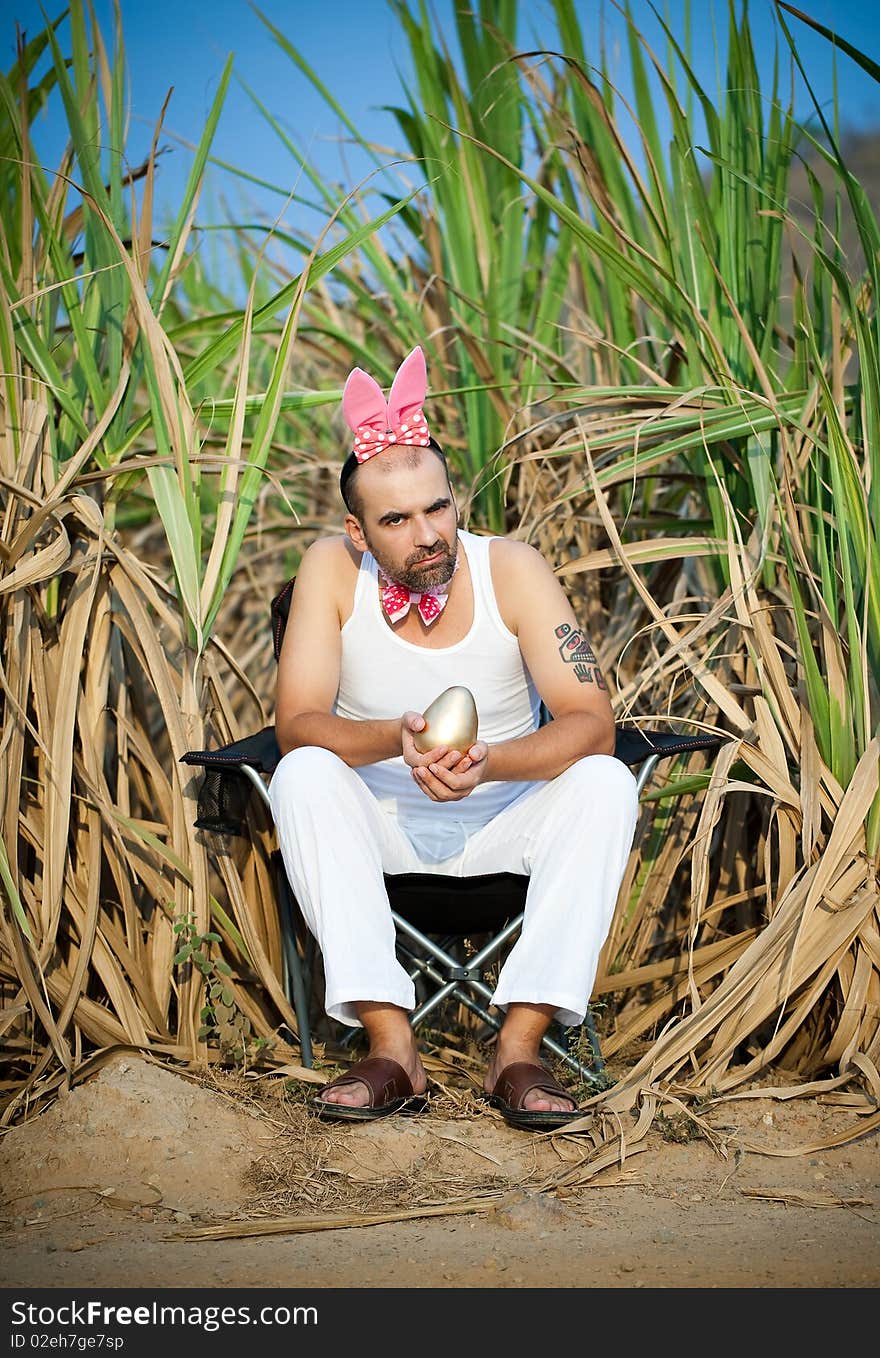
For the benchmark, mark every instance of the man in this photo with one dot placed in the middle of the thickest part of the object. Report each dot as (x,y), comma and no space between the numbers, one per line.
(384,618)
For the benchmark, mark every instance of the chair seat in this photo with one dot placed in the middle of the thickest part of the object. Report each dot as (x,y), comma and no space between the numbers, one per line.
(457,905)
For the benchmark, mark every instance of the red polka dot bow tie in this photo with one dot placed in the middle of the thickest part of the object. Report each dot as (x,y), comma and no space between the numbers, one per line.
(377,424)
(397,599)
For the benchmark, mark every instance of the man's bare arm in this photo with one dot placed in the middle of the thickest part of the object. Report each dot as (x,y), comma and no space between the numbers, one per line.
(356,742)
(549,751)
(308,669)
(563,666)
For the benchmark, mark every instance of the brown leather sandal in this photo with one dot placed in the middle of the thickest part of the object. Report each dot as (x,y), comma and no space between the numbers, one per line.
(514,1083)
(390,1089)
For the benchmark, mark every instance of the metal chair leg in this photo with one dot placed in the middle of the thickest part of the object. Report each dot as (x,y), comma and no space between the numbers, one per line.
(595,1048)
(296,980)
(296,986)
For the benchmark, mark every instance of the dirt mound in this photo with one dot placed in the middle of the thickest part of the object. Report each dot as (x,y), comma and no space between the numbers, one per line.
(139,1134)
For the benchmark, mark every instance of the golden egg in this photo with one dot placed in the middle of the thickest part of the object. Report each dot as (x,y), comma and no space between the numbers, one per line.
(451,720)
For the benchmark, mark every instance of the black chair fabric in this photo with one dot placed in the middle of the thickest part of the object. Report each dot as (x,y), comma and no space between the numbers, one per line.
(457,905)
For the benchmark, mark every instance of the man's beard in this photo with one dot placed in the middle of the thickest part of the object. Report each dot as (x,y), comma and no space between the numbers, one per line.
(428,577)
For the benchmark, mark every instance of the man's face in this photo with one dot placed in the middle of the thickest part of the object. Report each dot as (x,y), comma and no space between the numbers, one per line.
(409,518)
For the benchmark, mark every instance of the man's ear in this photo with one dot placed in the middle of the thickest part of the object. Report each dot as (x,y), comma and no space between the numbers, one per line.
(355,533)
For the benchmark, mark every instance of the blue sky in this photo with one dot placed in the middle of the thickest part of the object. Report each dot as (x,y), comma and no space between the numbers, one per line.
(358,50)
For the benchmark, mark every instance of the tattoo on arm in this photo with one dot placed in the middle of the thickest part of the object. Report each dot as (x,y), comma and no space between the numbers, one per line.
(577,651)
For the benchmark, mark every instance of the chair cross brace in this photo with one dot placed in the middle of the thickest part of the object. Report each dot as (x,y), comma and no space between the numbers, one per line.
(473,975)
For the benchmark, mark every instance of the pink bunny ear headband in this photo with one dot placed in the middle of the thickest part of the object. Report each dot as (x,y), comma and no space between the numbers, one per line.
(377,424)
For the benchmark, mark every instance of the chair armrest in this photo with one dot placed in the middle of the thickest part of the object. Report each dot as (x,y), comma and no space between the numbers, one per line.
(260,751)
(633,745)
(225,789)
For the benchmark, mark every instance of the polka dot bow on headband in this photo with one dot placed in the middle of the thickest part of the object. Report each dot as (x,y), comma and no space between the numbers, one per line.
(377,424)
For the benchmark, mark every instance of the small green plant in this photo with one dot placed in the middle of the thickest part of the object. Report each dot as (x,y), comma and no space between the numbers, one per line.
(679,1127)
(221,1019)
(580,1046)
(704,1103)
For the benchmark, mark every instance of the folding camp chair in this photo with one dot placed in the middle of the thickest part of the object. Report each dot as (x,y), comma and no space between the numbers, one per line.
(436,918)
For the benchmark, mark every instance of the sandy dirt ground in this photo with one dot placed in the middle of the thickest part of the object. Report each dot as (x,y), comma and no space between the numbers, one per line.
(117,1182)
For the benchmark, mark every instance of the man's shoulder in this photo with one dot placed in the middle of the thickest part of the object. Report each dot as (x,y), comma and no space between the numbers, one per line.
(510,553)
(520,576)
(334,553)
(330,565)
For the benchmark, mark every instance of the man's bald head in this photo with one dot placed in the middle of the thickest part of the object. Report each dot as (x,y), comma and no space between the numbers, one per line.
(386,461)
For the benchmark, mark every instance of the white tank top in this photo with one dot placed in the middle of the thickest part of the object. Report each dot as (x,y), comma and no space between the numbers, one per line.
(383,676)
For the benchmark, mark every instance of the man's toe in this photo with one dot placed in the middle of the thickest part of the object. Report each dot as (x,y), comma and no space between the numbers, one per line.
(541,1103)
(353,1096)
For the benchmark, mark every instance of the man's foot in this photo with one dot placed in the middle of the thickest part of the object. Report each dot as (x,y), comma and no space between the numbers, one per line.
(358,1095)
(388,1087)
(391,1039)
(535,1100)
(529,1098)
(517,1083)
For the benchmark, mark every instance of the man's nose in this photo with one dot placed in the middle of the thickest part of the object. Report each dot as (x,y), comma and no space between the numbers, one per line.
(424,531)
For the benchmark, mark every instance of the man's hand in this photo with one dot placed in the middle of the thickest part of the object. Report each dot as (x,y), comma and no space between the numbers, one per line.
(453,776)
(411,722)
(444,775)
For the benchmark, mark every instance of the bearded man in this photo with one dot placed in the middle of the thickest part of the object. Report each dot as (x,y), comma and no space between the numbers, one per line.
(385,617)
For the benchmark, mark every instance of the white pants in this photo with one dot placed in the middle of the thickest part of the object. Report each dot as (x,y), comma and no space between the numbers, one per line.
(571,835)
